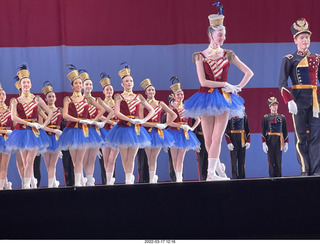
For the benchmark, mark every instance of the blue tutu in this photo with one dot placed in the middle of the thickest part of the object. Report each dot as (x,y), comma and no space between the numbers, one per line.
(120,136)
(2,145)
(95,139)
(157,141)
(213,104)
(73,138)
(27,140)
(180,140)
(53,147)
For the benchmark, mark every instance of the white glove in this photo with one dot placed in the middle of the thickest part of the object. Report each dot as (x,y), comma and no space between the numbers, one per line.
(136,121)
(58,132)
(231,88)
(247,145)
(265,147)
(285,146)
(8,132)
(161,126)
(293,109)
(185,127)
(99,154)
(86,122)
(230,146)
(34,125)
(114,123)
(100,124)
(60,155)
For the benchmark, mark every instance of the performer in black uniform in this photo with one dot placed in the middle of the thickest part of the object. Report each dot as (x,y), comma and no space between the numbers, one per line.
(237,135)
(303,69)
(274,126)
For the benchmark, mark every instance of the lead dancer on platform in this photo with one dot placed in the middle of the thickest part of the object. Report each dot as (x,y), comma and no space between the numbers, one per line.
(216,100)
(159,137)
(28,136)
(127,135)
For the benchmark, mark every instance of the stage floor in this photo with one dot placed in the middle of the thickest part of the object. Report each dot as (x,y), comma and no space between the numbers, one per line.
(267,208)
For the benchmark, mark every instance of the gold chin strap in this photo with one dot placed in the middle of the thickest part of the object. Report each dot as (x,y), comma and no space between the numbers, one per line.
(214,50)
(129,93)
(3,106)
(76,94)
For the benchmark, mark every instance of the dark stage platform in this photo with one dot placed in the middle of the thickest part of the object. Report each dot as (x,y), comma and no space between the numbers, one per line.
(279,208)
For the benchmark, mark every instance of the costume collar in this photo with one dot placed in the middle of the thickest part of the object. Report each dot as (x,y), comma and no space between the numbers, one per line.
(304,53)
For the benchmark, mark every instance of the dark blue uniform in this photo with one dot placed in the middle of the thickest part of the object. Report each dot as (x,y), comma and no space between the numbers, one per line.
(237,133)
(303,70)
(275,134)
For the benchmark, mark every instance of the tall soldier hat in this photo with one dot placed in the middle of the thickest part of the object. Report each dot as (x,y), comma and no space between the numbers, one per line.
(47,87)
(83,75)
(23,71)
(105,80)
(175,87)
(300,26)
(74,73)
(145,83)
(125,71)
(272,100)
(216,20)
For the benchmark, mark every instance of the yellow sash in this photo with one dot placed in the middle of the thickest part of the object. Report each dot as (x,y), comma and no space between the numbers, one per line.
(136,127)
(315,104)
(243,142)
(186,135)
(35,130)
(277,134)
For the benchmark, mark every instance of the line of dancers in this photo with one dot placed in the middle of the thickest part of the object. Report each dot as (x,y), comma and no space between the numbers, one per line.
(123,123)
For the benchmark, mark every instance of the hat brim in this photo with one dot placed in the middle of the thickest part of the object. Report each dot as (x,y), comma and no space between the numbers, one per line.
(300,32)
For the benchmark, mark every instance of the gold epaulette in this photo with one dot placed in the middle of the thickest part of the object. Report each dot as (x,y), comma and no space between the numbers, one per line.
(196,56)
(230,54)
(289,56)
(66,99)
(117,97)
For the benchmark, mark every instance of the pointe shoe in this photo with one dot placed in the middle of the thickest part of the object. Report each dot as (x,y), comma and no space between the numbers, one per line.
(8,185)
(56,184)
(34,182)
(90,182)
(154,180)
(213,177)
(84,181)
(111,182)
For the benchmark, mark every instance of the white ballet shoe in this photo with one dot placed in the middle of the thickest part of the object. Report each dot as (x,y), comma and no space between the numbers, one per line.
(155,179)
(84,181)
(111,182)
(34,182)
(56,184)
(90,182)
